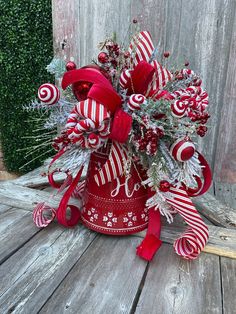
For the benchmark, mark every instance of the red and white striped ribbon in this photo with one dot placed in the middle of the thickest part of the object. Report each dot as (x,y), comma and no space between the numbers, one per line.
(79,190)
(114,166)
(39,215)
(88,115)
(161,77)
(194,239)
(141,47)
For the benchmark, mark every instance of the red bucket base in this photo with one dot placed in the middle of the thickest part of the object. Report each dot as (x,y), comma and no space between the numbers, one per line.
(118,207)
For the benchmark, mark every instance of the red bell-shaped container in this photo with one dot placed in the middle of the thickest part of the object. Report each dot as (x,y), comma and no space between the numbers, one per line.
(118,207)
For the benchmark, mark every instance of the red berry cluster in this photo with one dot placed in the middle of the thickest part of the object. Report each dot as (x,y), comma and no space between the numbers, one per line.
(60,141)
(112,54)
(201,130)
(148,142)
(113,58)
(199,117)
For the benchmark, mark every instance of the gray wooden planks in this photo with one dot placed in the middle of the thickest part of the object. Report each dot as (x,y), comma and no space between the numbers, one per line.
(65,15)
(104,280)
(99,20)
(29,277)
(226,192)
(151,16)
(225,165)
(19,196)
(174,285)
(228,275)
(217,212)
(4,208)
(16,228)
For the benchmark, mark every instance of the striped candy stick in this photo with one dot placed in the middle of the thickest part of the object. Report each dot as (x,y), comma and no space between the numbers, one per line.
(194,239)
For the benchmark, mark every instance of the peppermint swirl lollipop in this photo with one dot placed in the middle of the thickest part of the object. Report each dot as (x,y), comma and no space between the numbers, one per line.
(135,101)
(178,109)
(48,94)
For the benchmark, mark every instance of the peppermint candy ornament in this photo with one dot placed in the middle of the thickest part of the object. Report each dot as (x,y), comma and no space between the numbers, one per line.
(178,109)
(135,101)
(182,150)
(49,94)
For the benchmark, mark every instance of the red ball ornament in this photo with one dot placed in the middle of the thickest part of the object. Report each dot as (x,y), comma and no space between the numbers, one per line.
(164,186)
(103,57)
(182,150)
(81,89)
(166,54)
(70,66)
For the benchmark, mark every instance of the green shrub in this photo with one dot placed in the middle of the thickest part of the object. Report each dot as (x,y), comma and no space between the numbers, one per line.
(25,49)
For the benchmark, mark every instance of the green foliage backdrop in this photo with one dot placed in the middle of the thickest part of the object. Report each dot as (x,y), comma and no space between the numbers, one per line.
(25,49)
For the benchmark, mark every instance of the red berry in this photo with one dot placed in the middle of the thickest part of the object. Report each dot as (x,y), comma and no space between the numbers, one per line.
(180,76)
(160,133)
(164,186)
(158,116)
(103,57)
(70,66)
(126,55)
(192,116)
(114,63)
(186,64)
(166,54)
(135,21)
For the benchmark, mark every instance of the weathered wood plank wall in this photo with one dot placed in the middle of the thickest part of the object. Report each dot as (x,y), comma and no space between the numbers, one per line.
(202,32)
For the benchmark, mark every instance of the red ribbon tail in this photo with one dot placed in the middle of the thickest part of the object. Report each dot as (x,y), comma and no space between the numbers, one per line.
(75,212)
(151,243)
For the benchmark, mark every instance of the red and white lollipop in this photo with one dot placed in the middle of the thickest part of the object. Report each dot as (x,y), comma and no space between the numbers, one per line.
(135,101)
(49,94)
(178,109)
(182,150)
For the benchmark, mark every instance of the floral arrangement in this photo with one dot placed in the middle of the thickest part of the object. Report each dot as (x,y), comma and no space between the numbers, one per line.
(147,117)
